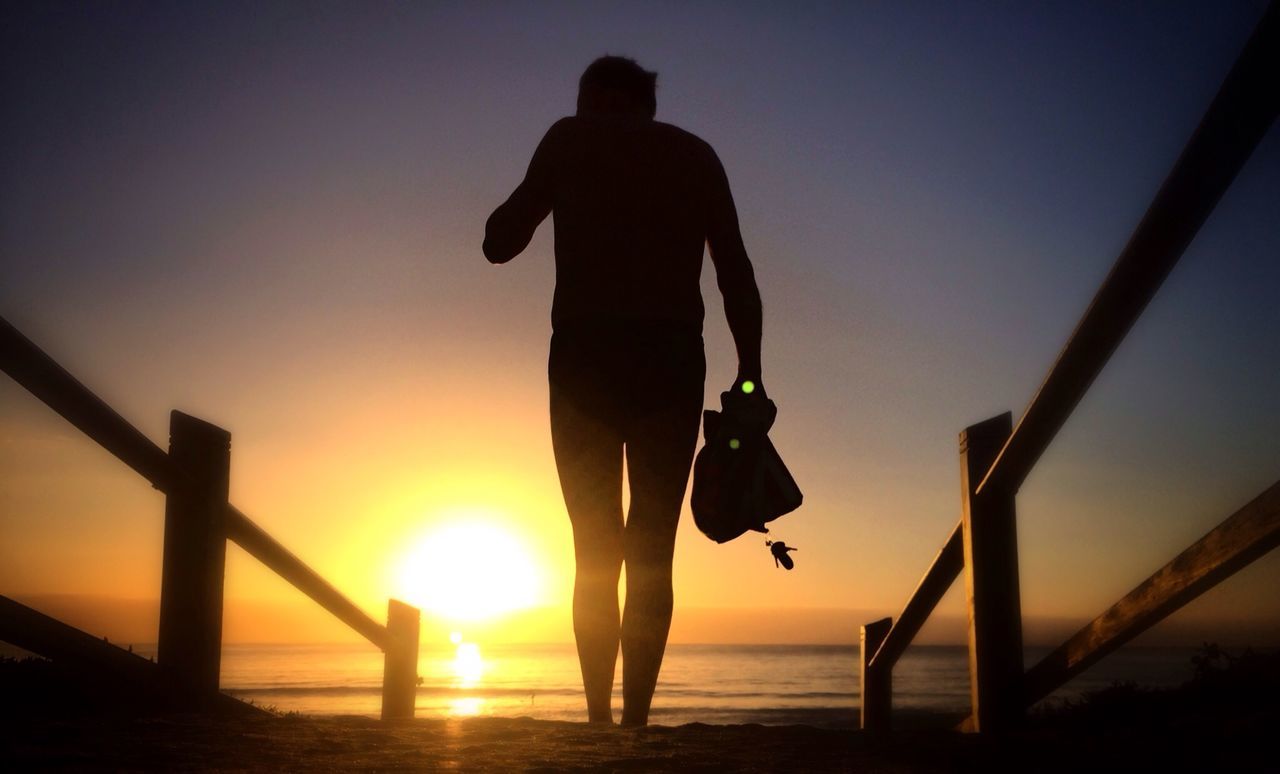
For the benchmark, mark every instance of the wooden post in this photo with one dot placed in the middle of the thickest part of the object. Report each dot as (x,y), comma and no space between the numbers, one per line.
(400,664)
(876,679)
(190,637)
(991,581)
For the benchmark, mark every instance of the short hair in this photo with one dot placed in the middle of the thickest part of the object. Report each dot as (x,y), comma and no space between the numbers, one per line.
(622,75)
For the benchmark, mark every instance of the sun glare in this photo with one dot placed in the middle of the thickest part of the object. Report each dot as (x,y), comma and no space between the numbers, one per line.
(470,571)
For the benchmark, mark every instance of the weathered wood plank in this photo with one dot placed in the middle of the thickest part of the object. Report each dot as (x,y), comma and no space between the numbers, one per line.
(991,582)
(933,586)
(1246,535)
(1236,121)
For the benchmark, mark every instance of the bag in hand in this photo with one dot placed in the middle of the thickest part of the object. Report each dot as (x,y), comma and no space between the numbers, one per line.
(739,481)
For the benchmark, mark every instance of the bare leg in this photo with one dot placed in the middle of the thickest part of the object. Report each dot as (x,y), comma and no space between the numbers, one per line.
(658,459)
(589,459)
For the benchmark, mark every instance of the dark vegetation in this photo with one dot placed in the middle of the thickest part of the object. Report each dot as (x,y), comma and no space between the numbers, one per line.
(36,688)
(1222,719)
(1224,689)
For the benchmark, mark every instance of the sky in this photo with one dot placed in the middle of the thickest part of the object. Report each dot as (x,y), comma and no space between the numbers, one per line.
(269,216)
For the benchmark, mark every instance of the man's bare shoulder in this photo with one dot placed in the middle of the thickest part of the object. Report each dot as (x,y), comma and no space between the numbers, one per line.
(676,134)
(570,128)
(561,129)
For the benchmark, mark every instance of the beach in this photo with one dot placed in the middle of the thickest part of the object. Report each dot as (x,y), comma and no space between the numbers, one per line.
(1223,719)
(475,744)
(187,743)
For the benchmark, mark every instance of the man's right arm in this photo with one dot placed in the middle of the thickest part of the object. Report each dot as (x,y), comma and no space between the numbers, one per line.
(734,275)
(511,226)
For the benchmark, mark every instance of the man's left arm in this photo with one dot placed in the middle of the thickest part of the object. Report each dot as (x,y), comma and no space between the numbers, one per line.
(737,280)
(511,226)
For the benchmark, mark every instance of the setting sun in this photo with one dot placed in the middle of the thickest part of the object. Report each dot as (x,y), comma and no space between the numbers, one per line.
(470,571)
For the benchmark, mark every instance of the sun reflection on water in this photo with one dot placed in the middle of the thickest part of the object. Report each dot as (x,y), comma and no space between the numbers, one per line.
(467,706)
(468,666)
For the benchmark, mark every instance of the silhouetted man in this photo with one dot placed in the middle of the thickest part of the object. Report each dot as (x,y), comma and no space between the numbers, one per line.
(634,201)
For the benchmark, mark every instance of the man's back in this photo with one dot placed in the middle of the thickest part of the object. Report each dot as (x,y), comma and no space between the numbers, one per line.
(632,203)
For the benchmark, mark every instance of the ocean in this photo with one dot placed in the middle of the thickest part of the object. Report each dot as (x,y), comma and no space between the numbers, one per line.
(767,684)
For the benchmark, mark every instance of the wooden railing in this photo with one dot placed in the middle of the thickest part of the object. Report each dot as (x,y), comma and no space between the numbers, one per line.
(194,476)
(996,456)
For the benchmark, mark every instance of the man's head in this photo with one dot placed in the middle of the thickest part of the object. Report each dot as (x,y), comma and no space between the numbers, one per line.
(617,85)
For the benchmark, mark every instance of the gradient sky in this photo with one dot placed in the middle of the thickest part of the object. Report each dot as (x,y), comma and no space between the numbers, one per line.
(270,216)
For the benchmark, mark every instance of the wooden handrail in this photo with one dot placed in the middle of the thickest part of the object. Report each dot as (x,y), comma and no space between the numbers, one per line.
(1249,533)
(946,567)
(44,378)
(1240,115)
(94,659)
(280,560)
(1236,121)
(41,375)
